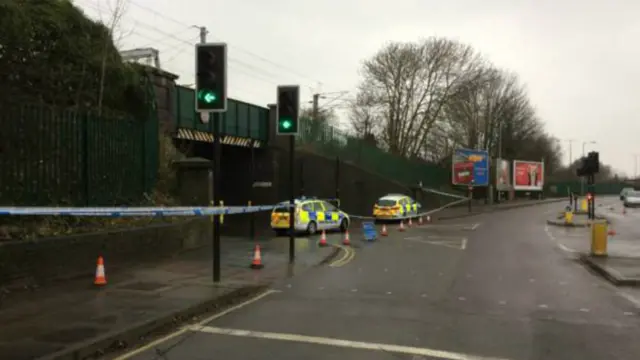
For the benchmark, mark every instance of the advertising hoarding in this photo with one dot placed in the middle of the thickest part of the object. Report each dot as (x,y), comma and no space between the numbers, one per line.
(503,175)
(528,175)
(468,165)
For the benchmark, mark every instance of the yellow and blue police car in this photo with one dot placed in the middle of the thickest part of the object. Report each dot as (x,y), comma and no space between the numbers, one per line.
(311,215)
(395,206)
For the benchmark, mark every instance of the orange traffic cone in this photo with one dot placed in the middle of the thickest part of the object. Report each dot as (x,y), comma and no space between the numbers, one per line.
(409,223)
(101,278)
(257,258)
(384,230)
(401,228)
(323,239)
(346,240)
(611,232)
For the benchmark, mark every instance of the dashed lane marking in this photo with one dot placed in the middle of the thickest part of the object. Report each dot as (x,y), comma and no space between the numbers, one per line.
(398,349)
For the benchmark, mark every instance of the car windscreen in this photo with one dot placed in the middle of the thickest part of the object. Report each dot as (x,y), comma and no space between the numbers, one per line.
(386,202)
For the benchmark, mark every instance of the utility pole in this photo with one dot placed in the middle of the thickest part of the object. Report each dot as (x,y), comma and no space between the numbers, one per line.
(570,141)
(315,109)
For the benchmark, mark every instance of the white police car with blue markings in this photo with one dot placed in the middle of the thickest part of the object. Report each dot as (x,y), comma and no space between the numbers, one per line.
(311,215)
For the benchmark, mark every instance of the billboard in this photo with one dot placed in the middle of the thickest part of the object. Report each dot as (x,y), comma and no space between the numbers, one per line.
(468,165)
(528,175)
(503,175)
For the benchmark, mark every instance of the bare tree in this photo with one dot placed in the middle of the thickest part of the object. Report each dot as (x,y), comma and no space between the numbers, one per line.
(364,115)
(117,9)
(410,83)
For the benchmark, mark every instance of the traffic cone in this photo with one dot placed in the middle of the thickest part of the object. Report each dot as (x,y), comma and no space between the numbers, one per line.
(323,239)
(101,278)
(384,230)
(409,223)
(401,228)
(257,259)
(420,220)
(346,240)
(611,232)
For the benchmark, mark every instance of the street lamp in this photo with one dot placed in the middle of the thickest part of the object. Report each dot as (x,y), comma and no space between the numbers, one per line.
(584,143)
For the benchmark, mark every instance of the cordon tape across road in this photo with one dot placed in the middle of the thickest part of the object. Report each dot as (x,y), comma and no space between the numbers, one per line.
(181,210)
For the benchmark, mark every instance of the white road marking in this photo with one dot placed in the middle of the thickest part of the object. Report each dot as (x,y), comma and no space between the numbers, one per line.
(584,310)
(199,324)
(502,302)
(409,350)
(475,226)
(566,248)
(630,298)
(543,306)
(388,292)
(461,298)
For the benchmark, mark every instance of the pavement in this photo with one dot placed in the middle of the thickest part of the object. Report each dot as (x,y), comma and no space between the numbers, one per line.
(78,318)
(622,265)
(493,286)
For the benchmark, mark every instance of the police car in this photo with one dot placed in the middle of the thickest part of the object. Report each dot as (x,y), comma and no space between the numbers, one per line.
(311,215)
(395,206)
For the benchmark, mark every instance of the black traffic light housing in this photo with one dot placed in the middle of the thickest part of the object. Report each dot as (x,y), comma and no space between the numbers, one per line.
(589,165)
(211,77)
(288,110)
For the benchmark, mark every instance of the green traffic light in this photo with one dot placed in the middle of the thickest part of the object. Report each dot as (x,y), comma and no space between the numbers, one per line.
(207,96)
(286,124)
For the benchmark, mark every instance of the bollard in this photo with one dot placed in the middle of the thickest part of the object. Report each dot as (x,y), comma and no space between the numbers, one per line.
(584,205)
(568,217)
(599,231)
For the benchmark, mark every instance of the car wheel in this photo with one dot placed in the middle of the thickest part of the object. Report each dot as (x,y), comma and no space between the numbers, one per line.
(344,225)
(312,228)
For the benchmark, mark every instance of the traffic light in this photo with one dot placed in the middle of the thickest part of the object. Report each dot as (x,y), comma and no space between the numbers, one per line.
(589,165)
(593,162)
(211,77)
(288,108)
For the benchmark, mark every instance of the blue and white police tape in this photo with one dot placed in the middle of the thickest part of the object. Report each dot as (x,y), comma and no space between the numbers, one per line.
(135,211)
(413,216)
(444,193)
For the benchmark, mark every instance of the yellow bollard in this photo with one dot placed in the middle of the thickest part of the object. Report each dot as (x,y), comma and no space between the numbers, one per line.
(584,205)
(221,215)
(599,238)
(568,217)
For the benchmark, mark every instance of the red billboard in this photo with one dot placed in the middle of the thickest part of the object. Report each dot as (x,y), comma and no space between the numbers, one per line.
(528,175)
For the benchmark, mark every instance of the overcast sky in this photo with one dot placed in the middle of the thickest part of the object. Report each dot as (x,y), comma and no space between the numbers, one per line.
(579,59)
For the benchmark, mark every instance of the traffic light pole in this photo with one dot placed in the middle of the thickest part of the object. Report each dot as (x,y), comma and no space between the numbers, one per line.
(216,196)
(292,201)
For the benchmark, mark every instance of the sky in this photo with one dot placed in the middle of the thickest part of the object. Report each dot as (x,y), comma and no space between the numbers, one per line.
(579,60)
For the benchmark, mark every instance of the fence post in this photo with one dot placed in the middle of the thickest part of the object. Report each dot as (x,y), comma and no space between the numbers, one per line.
(85,157)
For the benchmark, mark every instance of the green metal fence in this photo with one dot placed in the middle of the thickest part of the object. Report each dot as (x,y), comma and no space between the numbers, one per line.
(332,142)
(241,119)
(51,156)
(605,188)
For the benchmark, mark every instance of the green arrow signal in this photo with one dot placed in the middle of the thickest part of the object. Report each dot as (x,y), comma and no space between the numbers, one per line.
(207,96)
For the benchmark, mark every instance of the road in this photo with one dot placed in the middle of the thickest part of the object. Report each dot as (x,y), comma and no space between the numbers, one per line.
(486,287)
